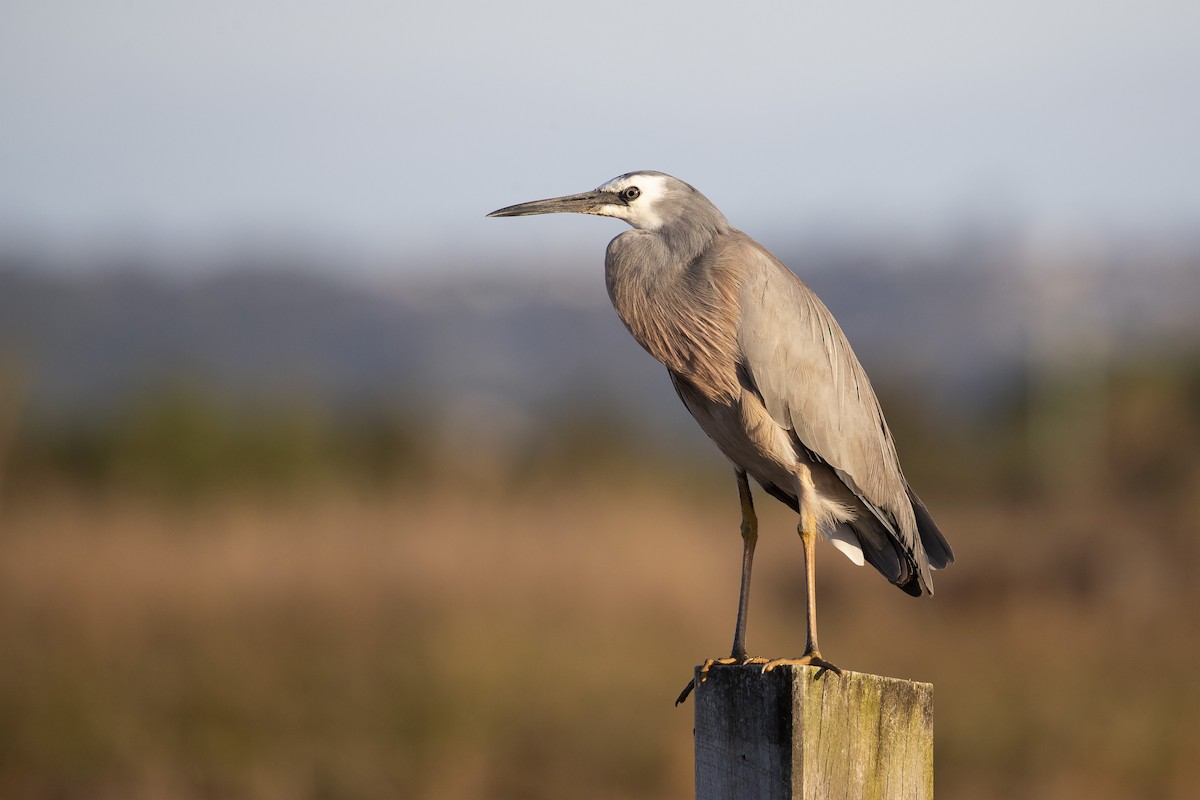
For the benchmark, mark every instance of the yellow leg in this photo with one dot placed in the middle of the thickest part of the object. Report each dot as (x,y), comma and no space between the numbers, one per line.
(749,539)
(808,538)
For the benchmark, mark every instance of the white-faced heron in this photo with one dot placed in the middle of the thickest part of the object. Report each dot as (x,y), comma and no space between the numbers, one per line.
(765,369)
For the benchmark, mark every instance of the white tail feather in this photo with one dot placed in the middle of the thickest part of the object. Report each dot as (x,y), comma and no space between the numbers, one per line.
(847,542)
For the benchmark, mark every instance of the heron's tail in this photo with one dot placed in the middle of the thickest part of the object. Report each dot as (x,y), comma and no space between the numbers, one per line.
(908,570)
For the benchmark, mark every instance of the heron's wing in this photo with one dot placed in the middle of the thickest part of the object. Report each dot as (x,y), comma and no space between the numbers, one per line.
(812,384)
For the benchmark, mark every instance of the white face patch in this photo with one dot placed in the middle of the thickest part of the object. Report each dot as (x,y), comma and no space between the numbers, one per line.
(639,213)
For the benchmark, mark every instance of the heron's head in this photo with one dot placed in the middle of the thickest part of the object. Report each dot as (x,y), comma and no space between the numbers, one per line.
(647,200)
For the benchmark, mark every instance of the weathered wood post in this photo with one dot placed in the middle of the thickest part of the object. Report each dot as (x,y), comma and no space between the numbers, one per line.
(784,736)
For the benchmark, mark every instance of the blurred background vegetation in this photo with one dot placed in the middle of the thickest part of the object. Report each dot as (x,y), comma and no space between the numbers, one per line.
(216,585)
(315,483)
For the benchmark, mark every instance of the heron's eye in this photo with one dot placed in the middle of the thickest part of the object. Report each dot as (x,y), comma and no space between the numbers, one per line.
(632,193)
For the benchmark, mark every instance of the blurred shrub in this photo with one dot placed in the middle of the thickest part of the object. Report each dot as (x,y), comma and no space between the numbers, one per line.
(1154,427)
(183,442)
(1128,427)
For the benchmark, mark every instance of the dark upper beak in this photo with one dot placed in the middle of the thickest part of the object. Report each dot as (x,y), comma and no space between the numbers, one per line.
(585,203)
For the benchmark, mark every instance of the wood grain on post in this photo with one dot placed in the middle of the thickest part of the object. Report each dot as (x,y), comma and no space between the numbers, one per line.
(784,736)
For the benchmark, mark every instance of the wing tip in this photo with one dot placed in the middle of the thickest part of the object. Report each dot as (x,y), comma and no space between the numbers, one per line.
(933,542)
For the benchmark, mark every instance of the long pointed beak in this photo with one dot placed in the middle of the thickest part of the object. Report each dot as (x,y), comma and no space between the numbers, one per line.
(586,203)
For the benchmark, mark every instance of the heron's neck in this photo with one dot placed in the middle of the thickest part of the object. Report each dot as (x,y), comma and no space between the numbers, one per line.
(685,240)
(677,308)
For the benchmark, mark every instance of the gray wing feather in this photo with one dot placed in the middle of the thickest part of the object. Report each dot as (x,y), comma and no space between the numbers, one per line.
(813,385)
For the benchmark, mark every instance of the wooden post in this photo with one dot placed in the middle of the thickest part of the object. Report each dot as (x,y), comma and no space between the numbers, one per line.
(784,736)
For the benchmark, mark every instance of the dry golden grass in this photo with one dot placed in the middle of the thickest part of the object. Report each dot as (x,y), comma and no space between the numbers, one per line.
(528,643)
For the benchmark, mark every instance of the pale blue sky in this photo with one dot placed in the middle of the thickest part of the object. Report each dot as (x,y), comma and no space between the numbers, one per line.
(392,128)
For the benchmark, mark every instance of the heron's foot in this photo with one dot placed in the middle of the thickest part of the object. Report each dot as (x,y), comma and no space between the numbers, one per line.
(807,660)
(740,661)
(717,662)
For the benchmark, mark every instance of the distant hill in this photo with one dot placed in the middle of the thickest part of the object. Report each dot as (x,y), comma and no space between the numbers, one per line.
(949,328)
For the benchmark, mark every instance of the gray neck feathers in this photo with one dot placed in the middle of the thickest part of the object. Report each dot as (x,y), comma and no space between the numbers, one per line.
(690,233)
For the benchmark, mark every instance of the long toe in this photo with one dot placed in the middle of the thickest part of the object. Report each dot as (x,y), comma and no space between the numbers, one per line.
(810,660)
(729,661)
